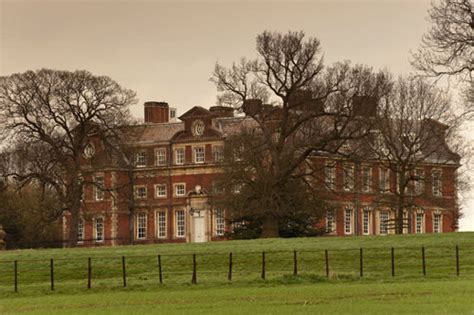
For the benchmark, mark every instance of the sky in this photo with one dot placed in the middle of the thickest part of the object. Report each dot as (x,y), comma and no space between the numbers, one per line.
(166,50)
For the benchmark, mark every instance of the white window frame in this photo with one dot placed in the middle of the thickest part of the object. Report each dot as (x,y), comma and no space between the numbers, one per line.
(161,224)
(419,183)
(383,224)
(419,222)
(348,220)
(80,230)
(137,189)
(384,181)
(157,191)
(330,221)
(179,156)
(348,177)
(160,156)
(141,220)
(366,221)
(366,179)
(218,153)
(96,230)
(175,190)
(99,194)
(140,159)
(201,156)
(330,175)
(180,218)
(438,223)
(437,189)
(220,222)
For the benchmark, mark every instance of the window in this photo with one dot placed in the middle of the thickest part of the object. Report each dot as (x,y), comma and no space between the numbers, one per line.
(99,229)
(180,224)
(80,230)
(217,188)
(437,223)
(141,226)
(384,180)
(330,174)
(179,156)
(220,222)
(383,222)
(330,221)
(140,192)
(419,181)
(348,221)
(348,173)
(160,157)
(419,223)
(99,188)
(199,155)
(160,190)
(140,159)
(161,224)
(437,183)
(366,178)
(180,189)
(218,153)
(366,221)
(405,222)
(172,113)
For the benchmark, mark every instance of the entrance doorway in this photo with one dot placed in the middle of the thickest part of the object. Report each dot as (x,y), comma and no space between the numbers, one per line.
(199,234)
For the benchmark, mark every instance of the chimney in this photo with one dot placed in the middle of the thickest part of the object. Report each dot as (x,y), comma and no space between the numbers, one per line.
(222,111)
(303,100)
(365,106)
(252,107)
(156,112)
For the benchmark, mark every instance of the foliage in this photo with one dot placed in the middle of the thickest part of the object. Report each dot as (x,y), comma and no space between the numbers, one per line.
(50,115)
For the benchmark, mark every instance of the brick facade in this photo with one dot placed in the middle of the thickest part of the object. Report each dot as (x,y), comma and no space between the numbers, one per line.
(186,216)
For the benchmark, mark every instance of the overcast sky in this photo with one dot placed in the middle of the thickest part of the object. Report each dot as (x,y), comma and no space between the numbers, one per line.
(166,50)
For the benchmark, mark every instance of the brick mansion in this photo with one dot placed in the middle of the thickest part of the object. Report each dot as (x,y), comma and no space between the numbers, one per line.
(177,162)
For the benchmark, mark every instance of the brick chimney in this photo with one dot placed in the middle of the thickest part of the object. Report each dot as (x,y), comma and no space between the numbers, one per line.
(156,112)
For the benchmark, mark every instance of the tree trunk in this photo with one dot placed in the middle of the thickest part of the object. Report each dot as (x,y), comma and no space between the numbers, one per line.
(270,227)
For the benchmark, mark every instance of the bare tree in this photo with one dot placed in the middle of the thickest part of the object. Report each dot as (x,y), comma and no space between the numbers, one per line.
(414,126)
(310,111)
(53,114)
(447,49)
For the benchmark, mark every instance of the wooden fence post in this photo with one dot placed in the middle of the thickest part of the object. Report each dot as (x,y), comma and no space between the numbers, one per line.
(457,260)
(263,265)
(229,275)
(51,273)
(423,260)
(124,272)
(15,271)
(327,262)
(361,263)
(295,263)
(160,274)
(393,262)
(89,272)
(194,279)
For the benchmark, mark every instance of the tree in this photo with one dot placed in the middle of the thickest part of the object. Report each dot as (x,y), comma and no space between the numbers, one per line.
(447,49)
(310,110)
(51,115)
(414,126)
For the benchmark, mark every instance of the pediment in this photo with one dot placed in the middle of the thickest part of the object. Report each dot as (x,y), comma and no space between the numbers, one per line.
(196,112)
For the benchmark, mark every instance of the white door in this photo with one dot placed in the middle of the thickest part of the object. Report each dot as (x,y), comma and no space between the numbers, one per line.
(199,235)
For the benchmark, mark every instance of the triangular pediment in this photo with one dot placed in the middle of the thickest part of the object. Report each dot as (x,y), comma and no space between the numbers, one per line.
(196,112)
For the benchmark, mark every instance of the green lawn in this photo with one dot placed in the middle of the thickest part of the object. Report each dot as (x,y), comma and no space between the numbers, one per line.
(441,291)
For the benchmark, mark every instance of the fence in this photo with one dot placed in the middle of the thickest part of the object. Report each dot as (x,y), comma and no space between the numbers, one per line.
(142,270)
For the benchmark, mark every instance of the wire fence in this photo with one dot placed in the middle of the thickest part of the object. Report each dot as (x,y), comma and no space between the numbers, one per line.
(146,270)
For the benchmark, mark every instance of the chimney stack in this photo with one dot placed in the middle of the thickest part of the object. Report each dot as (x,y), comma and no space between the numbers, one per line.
(365,106)
(156,112)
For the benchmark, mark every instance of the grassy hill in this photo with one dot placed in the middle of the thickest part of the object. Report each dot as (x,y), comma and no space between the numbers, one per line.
(212,269)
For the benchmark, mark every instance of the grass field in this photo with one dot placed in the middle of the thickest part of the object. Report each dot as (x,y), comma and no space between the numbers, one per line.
(440,291)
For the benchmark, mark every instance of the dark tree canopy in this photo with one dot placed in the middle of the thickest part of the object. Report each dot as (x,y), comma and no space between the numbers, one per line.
(49,117)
